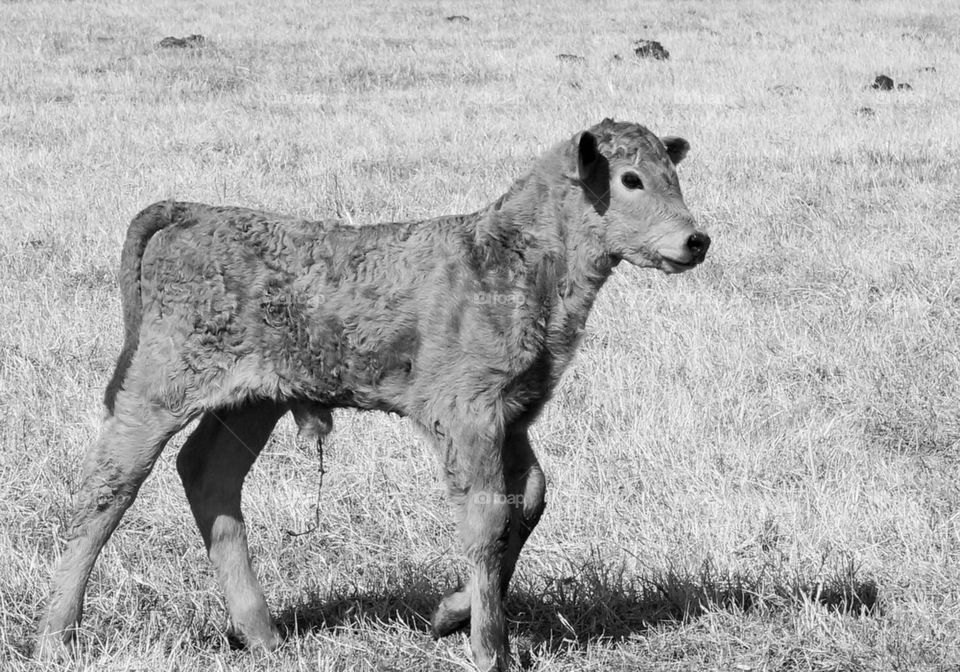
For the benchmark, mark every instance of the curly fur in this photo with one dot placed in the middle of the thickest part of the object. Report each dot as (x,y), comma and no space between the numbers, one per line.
(462,323)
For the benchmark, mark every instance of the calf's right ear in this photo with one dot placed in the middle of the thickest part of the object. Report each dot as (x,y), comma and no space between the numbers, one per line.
(588,156)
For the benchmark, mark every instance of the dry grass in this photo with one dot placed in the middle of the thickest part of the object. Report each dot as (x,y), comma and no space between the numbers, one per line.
(753,466)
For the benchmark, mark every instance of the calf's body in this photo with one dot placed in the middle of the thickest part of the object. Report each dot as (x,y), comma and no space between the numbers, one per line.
(463,324)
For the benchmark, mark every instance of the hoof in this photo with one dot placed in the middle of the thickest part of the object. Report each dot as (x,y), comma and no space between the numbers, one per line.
(255,636)
(55,646)
(265,641)
(495,663)
(452,615)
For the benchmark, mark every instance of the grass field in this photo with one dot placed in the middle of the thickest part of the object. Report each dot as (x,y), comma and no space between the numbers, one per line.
(753,466)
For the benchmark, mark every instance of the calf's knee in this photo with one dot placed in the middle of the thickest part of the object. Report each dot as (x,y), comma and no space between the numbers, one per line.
(487,514)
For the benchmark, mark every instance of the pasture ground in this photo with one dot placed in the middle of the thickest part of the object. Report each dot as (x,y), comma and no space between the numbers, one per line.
(753,466)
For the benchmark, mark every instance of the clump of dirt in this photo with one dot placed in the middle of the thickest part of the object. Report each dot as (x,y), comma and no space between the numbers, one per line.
(188,42)
(882,83)
(886,83)
(786,89)
(650,49)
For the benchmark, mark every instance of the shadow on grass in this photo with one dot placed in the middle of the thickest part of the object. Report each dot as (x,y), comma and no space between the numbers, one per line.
(604,602)
(596,601)
(409,600)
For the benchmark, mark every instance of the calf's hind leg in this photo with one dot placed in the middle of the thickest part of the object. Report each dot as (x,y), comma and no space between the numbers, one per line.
(526,486)
(113,471)
(213,464)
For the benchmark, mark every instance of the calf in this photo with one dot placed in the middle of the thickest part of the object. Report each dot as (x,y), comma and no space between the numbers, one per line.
(463,324)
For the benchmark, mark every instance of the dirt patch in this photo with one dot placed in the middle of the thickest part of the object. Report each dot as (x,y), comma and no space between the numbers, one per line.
(650,49)
(188,42)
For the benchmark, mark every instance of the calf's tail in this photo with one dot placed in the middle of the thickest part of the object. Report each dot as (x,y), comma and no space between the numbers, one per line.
(150,220)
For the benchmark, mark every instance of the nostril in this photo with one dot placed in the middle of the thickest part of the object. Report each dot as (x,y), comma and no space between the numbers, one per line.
(698,243)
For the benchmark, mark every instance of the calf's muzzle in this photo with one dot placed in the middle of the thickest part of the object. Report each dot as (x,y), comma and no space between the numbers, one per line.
(697,244)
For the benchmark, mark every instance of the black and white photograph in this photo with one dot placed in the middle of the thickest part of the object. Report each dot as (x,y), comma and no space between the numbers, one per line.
(436,336)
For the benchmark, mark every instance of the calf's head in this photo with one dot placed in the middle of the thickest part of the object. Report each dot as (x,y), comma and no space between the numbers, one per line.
(629,179)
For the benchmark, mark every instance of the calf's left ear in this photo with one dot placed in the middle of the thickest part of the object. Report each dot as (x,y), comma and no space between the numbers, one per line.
(677,148)
(588,155)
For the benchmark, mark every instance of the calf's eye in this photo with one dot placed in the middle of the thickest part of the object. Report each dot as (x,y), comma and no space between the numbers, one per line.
(631,181)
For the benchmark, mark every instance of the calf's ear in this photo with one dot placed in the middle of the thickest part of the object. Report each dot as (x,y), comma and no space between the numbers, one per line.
(588,156)
(594,172)
(677,148)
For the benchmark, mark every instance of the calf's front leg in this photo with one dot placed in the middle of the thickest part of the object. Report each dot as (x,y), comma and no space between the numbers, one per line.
(526,486)
(474,464)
